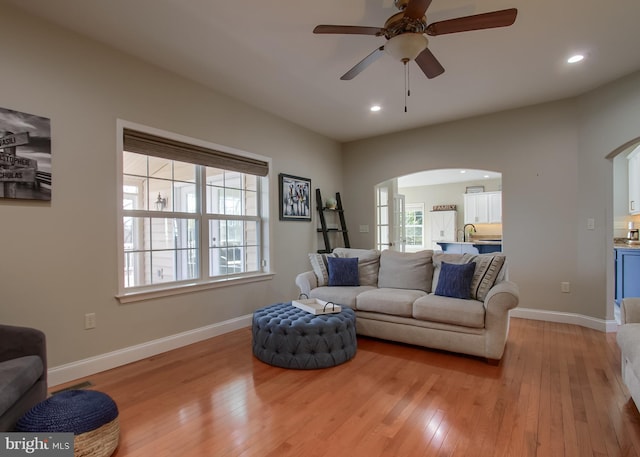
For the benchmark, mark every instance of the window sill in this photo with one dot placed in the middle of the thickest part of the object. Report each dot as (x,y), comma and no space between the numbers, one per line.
(130,297)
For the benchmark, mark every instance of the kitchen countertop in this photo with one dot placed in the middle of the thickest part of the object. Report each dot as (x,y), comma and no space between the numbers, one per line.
(482,246)
(472,242)
(621,243)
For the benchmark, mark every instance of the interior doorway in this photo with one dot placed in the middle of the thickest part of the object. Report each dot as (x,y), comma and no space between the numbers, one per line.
(626,222)
(407,206)
(390,217)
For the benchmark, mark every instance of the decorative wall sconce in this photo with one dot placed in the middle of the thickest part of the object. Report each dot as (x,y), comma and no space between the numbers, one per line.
(161,203)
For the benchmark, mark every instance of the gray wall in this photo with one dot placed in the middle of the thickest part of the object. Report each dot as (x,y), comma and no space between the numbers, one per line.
(555,175)
(59,259)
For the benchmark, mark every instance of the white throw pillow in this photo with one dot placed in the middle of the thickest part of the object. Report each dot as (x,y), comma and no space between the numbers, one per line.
(319,265)
(486,273)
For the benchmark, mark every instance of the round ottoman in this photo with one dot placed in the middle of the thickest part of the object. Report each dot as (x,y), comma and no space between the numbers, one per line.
(90,415)
(288,337)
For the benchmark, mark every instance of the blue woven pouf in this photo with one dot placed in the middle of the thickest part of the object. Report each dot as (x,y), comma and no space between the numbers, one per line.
(288,337)
(90,415)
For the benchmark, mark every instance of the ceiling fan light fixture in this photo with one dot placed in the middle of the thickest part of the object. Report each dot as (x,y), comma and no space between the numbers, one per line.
(406,46)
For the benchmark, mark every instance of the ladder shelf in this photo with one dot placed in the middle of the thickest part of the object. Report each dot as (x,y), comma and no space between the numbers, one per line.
(323,222)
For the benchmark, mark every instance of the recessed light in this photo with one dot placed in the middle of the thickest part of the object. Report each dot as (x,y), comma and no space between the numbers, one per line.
(575,58)
(375,108)
(486,176)
(463,171)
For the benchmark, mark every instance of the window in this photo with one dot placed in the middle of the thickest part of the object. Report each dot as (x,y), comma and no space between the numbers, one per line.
(190,215)
(382,217)
(414,227)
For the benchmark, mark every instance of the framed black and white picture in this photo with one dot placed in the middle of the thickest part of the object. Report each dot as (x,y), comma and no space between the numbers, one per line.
(295,198)
(25,156)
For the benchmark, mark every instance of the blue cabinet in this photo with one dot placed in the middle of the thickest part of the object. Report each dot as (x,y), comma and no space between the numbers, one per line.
(488,248)
(457,248)
(471,248)
(627,273)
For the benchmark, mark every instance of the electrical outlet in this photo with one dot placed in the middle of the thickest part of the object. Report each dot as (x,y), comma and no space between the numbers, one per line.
(565,287)
(89,321)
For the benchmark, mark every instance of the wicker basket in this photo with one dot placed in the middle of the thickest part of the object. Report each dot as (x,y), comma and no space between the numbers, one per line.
(100,442)
(90,415)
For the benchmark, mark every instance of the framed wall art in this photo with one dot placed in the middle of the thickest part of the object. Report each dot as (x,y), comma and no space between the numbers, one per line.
(295,198)
(474,189)
(25,156)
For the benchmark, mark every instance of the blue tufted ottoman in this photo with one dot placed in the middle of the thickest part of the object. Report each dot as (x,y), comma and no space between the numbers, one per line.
(288,337)
(92,417)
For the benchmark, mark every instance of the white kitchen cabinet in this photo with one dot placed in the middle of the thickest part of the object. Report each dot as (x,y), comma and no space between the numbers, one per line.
(483,208)
(476,208)
(495,207)
(634,182)
(443,226)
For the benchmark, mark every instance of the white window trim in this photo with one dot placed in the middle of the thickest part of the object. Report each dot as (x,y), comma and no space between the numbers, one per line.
(180,287)
(419,207)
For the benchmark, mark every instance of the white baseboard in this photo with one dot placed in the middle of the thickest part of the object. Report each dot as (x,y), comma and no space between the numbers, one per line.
(566,318)
(86,367)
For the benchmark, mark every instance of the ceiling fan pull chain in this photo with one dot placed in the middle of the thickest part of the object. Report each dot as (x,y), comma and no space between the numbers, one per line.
(406,84)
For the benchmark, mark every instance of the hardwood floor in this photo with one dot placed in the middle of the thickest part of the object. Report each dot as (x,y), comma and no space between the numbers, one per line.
(557,392)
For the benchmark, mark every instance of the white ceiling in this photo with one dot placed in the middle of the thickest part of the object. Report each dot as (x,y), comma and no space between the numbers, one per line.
(264,53)
(446,176)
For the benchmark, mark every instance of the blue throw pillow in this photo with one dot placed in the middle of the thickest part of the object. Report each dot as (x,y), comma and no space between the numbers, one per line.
(455,280)
(343,271)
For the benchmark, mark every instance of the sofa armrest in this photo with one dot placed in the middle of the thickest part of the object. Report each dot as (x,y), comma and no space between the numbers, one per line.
(306,282)
(22,341)
(630,311)
(502,297)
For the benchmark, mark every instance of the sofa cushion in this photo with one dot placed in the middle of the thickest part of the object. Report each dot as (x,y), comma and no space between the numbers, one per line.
(343,296)
(343,271)
(398,302)
(438,258)
(455,280)
(17,376)
(467,313)
(368,263)
(406,270)
(319,266)
(486,273)
(488,270)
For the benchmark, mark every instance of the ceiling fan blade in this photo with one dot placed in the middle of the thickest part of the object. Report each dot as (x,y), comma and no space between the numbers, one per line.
(416,8)
(348,29)
(429,64)
(364,63)
(502,18)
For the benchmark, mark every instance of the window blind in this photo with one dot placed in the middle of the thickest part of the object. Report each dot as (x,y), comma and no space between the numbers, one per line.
(146,143)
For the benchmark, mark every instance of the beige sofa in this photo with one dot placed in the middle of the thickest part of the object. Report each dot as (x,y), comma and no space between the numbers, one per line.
(628,338)
(396,299)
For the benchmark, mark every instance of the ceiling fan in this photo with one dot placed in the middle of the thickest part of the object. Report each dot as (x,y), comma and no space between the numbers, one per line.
(405,33)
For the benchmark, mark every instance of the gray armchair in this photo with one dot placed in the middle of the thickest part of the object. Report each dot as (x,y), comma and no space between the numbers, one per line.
(23,372)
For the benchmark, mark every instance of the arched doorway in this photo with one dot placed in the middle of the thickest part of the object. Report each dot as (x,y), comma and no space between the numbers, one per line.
(626,222)
(407,206)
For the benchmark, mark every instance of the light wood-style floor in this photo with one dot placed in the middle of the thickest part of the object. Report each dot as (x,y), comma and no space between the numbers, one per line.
(557,392)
